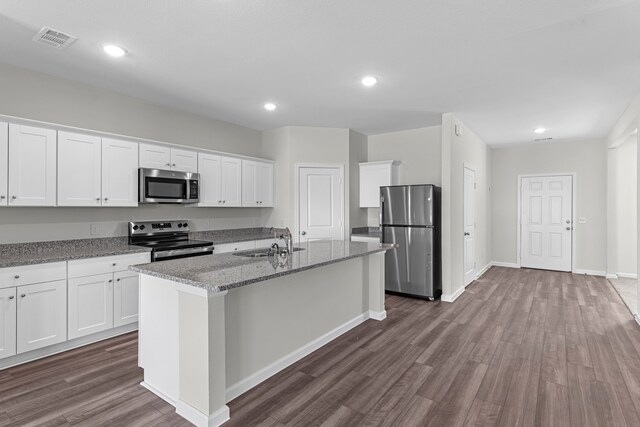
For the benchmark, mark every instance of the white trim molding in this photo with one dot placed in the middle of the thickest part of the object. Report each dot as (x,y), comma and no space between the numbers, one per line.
(377,315)
(452,297)
(611,276)
(505,264)
(627,276)
(590,272)
(484,270)
(199,419)
(248,383)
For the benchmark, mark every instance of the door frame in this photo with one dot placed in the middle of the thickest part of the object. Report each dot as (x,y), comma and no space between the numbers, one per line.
(475,222)
(574,221)
(297,167)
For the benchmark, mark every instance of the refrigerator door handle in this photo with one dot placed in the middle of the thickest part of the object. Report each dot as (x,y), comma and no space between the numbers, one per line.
(381,209)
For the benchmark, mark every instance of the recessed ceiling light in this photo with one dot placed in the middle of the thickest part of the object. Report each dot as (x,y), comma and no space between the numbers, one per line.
(113,50)
(369,81)
(270,106)
(539,130)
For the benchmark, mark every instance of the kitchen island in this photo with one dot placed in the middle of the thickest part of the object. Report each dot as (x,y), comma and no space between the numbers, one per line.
(212,327)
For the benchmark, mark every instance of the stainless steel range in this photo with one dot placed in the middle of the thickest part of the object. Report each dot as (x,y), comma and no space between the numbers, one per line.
(167,239)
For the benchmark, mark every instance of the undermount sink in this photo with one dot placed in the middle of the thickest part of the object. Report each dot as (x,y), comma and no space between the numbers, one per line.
(258,253)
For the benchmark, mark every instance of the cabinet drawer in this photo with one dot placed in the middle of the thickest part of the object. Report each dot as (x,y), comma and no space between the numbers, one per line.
(30,274)
(107,264)
(232,247)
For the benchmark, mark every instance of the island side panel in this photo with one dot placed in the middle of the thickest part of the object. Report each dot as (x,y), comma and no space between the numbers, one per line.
(374,265)
(272,324)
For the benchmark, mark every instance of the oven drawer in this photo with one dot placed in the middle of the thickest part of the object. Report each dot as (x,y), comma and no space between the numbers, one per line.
(34,273)
(107,264)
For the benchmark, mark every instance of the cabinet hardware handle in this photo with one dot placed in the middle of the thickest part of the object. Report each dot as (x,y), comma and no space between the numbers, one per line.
(105,199)
(114,264)
(23,295)
(117,280)
(2,197)
(13,197)
(17,276)
(110,280)
(568,228)
(168,164)
(11,297)
(174,165)
(97,199)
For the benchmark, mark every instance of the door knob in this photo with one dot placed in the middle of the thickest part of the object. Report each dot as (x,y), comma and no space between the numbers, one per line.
(466,233)
(304,233)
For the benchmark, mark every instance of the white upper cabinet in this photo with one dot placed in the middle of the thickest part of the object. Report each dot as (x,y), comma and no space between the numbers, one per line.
(119,173)
(160,157)
(184,160)
(79,169)
(374,175)
(4,163)
(257,184)
(209,168)
(32,166)
(155,156)
(231,171)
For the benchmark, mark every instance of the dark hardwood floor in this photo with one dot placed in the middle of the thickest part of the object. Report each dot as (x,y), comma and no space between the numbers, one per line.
(519,347)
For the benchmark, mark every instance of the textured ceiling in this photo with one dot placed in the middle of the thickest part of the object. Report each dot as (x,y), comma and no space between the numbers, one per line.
(503,66)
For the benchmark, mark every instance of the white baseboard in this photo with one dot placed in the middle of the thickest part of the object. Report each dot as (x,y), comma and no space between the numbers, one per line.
(158,393)
(504,264)
(484,270)
(627,276)
(242,386)
(378,315)
(590,272)
(637,318)
(199,419)
(452,297)
(611,276)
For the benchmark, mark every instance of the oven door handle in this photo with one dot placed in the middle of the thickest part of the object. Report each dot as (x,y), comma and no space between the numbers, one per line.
(177,252)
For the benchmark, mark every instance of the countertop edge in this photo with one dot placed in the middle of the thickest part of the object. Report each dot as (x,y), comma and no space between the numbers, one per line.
(63,258)
(210,288)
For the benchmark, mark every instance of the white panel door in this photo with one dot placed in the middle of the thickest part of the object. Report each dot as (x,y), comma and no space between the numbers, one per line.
(119,173)
(321,206)
(155,156)
(42,315)
(125,298)
(90,305)
(469,240)
(4,164)
(546,222)
(231,181)
(184,160)
(265,184)
(79,170)
(7,322)
(209,168)
(32,166)
(249,183)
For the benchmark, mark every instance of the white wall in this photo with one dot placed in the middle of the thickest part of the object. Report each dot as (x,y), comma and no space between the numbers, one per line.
(419,150)
(626,207)
(588,160)
(37,96)
(358,153)
(458,151)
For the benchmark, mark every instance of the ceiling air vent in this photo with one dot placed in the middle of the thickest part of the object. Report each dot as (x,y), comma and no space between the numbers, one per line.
(53,38)
(542,139)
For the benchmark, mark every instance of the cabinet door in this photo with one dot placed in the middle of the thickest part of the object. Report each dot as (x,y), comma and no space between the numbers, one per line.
(265,185)
(7,322)
(184,160)
(4,163)
(231,181)
(210,174)
(42,315)
(125,298)
(250,183)
(79,165)
(90,305)
(32,166)
(155,156)
(119,173)
(371,179)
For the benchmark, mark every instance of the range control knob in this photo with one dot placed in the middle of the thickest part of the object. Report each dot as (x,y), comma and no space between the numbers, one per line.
(135,227)
(142,227)
(179,225)
(184,225)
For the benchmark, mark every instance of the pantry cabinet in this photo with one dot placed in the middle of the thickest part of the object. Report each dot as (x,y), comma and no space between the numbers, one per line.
(32,166)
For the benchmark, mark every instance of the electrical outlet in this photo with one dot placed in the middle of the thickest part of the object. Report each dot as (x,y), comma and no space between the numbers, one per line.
(207,224)
(95,229)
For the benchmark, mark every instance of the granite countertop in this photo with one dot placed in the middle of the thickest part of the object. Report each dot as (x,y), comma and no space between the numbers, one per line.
(16,254)
(226,271)
(366,232)
(219,237)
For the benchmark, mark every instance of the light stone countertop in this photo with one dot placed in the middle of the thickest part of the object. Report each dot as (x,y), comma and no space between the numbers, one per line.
(221,272)
(17,254)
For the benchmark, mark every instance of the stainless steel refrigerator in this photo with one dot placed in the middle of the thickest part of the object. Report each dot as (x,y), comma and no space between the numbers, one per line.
(410,217)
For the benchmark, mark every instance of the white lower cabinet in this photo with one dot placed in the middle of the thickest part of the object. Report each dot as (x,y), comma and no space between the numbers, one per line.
(7,322)
(125,298)
(90,305)
(41,315)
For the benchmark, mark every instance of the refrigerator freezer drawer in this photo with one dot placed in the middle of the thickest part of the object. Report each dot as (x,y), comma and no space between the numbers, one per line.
(409,205)
(410,268)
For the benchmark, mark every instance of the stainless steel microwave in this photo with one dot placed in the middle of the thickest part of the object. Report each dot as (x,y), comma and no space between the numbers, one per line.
(165,186)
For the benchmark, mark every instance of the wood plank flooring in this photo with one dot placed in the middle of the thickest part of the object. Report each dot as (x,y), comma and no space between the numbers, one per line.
(518,348)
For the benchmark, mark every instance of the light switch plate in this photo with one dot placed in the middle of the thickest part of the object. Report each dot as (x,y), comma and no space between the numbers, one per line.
(582,220)
(95,229)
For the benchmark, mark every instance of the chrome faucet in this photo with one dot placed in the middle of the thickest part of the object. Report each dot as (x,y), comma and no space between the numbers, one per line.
(274,249)
(288,240)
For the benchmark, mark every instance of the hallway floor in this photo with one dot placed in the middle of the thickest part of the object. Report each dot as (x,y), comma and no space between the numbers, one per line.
(628,291)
